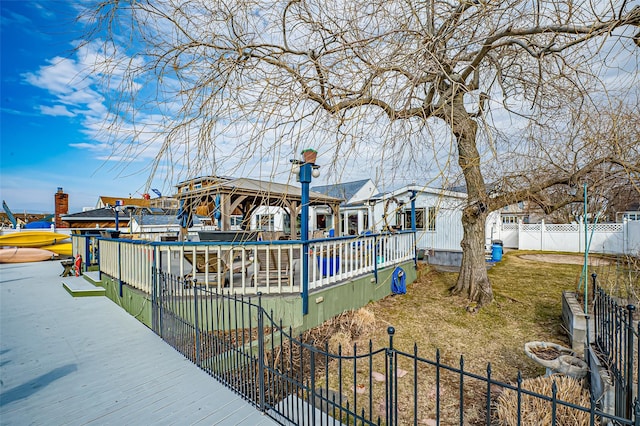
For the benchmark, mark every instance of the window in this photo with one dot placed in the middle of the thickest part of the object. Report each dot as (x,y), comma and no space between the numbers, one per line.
(432,219)
(324,221)
(352,224)
(236,222)
(398,222)
(265,222)
(321,221)
(631,216)
(420,219)
(509,219)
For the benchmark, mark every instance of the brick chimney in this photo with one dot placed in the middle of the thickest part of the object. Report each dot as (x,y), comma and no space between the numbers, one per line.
(61,208)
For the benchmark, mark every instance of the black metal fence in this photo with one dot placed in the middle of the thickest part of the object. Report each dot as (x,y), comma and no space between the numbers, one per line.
(616,336)
(293,381)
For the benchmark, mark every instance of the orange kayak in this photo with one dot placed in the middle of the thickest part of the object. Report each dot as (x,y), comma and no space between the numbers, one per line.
(24,254)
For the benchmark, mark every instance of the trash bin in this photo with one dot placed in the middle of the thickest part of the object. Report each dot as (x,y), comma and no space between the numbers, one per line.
(496,251)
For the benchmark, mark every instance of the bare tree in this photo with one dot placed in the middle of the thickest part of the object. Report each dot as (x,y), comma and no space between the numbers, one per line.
(302,69)
(596,145)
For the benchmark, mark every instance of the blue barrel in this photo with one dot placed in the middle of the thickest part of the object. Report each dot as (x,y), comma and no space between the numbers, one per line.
(329,266)
(496,252)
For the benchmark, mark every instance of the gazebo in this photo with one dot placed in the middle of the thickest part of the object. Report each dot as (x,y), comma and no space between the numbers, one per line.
(221,197)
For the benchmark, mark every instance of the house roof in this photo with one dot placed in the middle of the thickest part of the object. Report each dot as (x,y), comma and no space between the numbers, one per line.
(206,179)
(344,191)
(110,215)
(161,220)
(124,201)
(418,188)
(93,215)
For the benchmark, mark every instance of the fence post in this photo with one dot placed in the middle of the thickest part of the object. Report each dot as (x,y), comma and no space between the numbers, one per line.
(162,283)
(119,270)
(625,235)
(154,300)
(636,401)
(587,341)
(595,308)
(261,396)
(87,254)
(580,227)
(629,384)
(195,320)
(390,408)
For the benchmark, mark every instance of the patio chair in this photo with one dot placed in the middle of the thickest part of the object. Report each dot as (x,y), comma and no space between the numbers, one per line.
(214,265)
(317,235)
(269,269)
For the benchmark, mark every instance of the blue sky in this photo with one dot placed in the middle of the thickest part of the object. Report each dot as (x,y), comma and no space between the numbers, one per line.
(52,115)
(46,113)
(53,109)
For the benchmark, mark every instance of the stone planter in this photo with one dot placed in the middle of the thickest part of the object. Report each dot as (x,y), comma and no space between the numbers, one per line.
(575,321)
(556,359)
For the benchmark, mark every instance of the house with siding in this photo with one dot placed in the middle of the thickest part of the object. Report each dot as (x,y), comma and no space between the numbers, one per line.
(354,209)
(438,217)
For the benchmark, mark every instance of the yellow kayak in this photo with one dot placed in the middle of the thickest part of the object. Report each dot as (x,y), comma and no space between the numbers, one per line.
(63,249)
(31,239)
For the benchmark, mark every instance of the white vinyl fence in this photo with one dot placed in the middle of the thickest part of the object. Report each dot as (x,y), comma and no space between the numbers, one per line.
(610,238)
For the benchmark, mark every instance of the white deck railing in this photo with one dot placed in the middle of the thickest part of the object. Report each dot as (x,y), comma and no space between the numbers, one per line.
(272,267)
(130,262)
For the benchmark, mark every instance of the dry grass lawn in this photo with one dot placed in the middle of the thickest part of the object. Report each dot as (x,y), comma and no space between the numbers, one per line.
(527,308)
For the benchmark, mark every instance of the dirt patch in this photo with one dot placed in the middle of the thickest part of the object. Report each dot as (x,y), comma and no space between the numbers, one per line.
(568,259)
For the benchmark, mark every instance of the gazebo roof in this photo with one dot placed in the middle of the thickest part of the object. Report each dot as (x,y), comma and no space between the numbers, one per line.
(272,191)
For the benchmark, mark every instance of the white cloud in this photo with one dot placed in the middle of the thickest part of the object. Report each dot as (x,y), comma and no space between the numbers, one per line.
(73,84)
(58,78)
(97,147)
(56,111)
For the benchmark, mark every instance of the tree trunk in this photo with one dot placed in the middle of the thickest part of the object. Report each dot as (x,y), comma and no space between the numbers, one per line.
(473,281)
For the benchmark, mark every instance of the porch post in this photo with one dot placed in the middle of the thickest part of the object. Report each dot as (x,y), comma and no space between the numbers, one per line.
(305,180)
(360,222)
(345,223)
(413,211)
(305,169)
(413,226)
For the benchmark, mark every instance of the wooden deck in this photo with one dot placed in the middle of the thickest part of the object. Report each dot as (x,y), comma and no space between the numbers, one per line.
(66,360)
